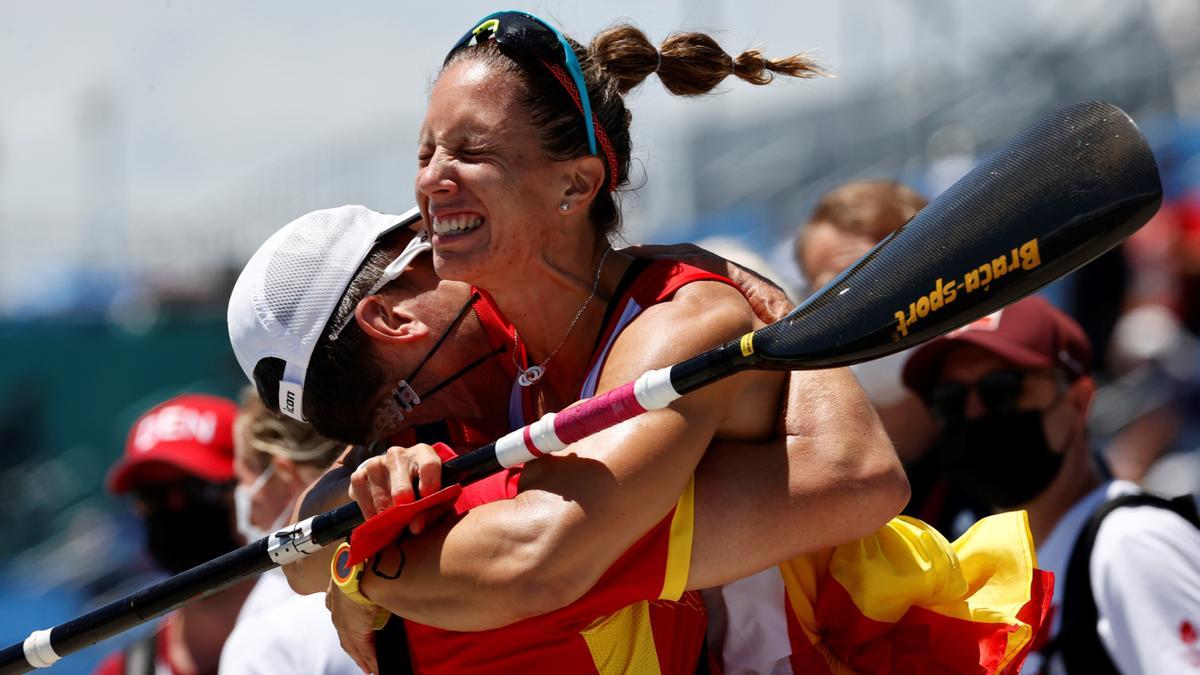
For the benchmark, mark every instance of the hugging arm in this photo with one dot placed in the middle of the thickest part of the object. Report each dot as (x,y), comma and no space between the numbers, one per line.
(831,477)
(577,512)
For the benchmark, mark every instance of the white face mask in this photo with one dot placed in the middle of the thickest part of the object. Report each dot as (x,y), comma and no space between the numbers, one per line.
(243,498)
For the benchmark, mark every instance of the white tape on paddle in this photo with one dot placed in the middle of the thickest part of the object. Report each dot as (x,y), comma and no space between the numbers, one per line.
(541,433)
(653,389)
(38,651)
(511,450)
(515,448)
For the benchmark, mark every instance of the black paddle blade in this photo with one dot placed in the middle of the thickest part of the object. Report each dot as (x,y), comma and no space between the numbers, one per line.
(1069,188)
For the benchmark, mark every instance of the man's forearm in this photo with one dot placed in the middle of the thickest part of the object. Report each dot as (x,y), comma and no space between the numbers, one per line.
(472,573)
(832,479)
(835,430)
(310,574)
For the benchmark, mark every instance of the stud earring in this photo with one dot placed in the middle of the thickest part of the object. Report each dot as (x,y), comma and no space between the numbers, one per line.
(564,207)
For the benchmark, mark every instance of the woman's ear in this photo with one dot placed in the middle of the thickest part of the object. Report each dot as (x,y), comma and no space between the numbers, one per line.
(382,319)
(585,178)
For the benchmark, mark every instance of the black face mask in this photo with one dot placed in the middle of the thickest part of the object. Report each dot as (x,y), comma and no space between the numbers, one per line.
(1002,459)
(182,538)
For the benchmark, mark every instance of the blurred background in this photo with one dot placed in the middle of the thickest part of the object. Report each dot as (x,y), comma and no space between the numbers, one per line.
(146,149)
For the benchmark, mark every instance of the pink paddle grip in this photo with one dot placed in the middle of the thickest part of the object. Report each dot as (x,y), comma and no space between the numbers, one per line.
(597,413)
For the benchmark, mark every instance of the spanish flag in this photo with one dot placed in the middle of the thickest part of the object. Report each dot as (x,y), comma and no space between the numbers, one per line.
(905,600)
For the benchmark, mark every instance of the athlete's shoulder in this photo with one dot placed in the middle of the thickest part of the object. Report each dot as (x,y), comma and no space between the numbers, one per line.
(662,278)
(698,317)
(703,306)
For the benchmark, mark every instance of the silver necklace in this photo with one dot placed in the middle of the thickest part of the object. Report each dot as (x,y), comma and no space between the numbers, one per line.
(532,374)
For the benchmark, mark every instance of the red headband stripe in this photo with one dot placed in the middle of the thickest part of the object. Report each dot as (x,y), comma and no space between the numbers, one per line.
(565,80)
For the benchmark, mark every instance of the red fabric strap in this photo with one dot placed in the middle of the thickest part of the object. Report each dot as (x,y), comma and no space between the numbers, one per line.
(601,137)
(372,536)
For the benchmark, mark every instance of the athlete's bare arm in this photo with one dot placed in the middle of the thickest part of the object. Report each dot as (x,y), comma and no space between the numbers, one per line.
(310,574)
(601,496)
(834,477)
(824,482)
(755,504)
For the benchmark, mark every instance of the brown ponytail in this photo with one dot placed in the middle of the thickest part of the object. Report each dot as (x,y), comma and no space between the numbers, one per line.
(688,64)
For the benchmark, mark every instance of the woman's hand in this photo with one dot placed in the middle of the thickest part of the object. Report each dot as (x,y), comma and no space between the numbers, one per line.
(398,476)
(356,625)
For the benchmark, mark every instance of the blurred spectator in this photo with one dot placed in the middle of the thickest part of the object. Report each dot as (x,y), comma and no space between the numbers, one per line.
(178,467)
(1153,359)
(847,222)
(1187,252)
(278,631)
(1013,391)
(1145,411)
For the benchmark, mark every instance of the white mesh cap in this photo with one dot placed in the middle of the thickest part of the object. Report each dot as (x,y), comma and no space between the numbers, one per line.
(293,283)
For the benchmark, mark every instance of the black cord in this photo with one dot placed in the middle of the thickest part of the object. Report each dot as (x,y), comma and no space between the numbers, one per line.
(399,567)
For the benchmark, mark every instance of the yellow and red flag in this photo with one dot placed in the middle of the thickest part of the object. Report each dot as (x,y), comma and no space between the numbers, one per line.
(906,601)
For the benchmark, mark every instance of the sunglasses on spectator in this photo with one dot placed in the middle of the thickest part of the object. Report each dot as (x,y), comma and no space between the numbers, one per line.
(998,391)
(178,494)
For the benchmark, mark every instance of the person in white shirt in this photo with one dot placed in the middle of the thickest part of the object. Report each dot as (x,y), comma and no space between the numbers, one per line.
(277,630)
(1012,392)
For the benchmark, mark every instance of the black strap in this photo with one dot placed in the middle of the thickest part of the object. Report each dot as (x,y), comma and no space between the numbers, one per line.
(1078,639)
(391,649)
(703,667)
(140,655)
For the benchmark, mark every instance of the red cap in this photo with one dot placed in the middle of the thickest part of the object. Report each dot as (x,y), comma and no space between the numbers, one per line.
(1030,333)
(192,432)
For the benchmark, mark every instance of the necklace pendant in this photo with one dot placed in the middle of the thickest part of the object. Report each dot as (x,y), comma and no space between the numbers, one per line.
(530,375)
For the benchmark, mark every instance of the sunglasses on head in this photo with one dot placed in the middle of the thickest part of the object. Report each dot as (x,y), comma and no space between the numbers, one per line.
(998,391)
(526,33)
